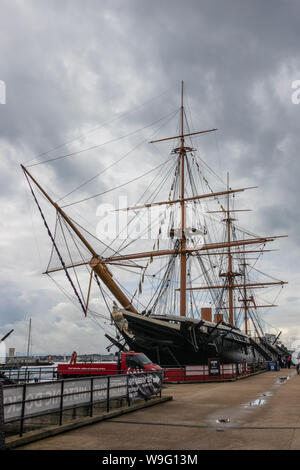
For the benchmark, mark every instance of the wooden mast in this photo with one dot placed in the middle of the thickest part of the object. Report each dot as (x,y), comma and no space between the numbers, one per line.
(229,273)
(182,204)
(100,269)
(245,297)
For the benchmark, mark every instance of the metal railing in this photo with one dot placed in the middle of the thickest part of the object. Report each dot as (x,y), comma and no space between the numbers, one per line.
(32,400)
(203,373)
(2,433)
(30,374)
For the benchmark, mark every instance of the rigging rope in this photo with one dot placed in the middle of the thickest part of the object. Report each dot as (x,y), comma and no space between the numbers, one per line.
(93,147)
(117,187)
(55,246)
(100,126)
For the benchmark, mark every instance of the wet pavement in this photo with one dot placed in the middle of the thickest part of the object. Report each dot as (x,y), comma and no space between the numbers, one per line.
(260,412)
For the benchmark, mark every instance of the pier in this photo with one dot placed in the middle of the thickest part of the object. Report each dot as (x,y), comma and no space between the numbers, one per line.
(260,412)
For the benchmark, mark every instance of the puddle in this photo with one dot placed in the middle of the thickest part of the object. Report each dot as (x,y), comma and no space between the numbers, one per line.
(223,420)
(283,379)
(258,402)
(241,413)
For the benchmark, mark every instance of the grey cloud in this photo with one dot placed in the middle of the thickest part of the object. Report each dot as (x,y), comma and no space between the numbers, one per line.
(70,66)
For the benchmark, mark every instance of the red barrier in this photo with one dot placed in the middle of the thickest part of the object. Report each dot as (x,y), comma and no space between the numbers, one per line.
(201,373)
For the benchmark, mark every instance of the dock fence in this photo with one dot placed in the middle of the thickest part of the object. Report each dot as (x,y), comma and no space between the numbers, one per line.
(2,431)
(30,374)
(31,403)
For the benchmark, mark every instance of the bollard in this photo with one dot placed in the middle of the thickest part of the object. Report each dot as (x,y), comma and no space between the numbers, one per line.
(2,432)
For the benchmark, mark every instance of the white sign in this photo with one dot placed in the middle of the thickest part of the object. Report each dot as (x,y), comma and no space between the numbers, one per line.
(46,397)
(144,385)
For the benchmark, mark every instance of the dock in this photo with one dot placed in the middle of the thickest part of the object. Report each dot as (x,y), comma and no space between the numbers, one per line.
(261,412)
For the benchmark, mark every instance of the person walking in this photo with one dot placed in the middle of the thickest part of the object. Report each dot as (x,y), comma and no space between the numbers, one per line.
(289,360)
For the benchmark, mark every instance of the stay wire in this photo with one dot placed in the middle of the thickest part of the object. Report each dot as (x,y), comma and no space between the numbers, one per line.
(116,187)
(93,147)
(98,127)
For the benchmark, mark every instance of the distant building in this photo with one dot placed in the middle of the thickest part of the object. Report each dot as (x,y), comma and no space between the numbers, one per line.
(11,352)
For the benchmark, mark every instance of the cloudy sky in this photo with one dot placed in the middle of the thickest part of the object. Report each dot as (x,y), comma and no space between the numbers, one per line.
(80,73)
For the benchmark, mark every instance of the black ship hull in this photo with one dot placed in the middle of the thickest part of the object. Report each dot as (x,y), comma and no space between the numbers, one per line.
(177,341)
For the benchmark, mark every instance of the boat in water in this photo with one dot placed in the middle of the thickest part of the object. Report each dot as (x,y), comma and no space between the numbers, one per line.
(199,278)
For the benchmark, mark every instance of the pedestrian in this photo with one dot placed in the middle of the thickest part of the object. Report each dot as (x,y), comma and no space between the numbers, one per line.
(289,360)
(298,367)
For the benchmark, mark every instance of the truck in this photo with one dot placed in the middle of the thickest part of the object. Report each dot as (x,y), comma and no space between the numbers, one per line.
(127,362)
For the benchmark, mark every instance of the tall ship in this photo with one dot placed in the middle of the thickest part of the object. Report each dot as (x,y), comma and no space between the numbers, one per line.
(190,289)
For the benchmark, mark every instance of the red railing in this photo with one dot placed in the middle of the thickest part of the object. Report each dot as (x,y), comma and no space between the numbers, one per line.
(202,373)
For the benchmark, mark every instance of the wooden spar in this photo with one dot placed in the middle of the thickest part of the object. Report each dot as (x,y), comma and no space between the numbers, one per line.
(257,306)
(255,284)
(100,269)
(55,270)
(231,210)
(176,201)
(127,265)
(211,246)
(182,134)
(218,253)
(138,266)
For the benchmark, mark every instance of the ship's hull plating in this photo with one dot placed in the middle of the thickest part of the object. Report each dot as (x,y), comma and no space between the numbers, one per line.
(173,341)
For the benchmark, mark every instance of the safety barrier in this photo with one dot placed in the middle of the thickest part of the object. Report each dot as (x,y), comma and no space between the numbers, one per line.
(30,374)
(31,400)
(204,373)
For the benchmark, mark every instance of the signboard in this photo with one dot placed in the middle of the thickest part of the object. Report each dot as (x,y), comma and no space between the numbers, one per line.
(214,367)
(144,385)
